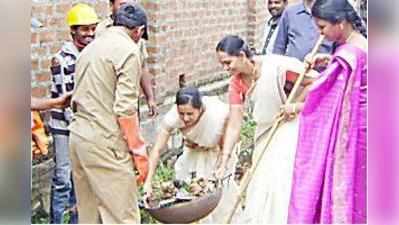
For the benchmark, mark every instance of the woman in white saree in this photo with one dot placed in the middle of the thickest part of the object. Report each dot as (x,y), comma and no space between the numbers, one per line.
(269,204)
(264,82)
(202,122)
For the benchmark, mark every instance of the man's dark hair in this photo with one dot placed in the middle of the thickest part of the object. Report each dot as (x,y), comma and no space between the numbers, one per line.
(130,15)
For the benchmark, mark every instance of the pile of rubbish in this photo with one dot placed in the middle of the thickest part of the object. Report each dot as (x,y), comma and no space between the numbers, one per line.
(180,202)
(181,191)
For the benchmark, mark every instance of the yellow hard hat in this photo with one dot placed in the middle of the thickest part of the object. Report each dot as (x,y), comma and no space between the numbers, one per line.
(81,14)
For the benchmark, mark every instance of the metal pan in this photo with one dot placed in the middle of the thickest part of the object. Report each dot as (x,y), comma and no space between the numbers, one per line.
(189,211)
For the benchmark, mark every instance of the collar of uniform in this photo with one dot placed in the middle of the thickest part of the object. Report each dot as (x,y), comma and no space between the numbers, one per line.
(302,9)
(70,48)
(109,21)
(121,30)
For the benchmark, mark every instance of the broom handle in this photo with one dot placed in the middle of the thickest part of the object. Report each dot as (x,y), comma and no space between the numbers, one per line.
(248,176)
(307,69)
(277,122)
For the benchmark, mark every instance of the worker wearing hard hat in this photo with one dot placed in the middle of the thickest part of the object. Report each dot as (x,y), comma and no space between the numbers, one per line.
(82,20)
(105,137)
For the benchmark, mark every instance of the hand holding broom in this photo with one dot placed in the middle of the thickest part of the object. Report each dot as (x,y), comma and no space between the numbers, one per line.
(277,122)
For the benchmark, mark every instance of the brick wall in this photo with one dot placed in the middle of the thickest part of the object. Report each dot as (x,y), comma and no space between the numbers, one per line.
(256,22)
(183,36)
(47,40)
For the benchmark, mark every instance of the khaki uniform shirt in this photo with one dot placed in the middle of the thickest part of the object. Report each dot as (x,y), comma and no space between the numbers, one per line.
(107,23)
(106,87)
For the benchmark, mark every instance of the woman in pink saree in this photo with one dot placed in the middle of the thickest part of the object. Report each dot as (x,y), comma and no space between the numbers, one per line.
(329,180)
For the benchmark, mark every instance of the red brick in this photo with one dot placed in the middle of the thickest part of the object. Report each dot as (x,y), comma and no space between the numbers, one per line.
(63,8)
(43,76)
(153,50)
(47,36)
(102,9)
(49,9)
(39,91)
(64,35)
(42,9)
(151,6)
(55,48)
(45,64)
(39,9)
(39,51)
(34,38)
(34,64)
(57,22)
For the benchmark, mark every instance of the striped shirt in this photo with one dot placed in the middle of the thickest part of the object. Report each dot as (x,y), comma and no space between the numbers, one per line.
(62,75)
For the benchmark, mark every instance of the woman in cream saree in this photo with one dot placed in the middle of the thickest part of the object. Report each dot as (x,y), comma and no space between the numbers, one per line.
(264,82)
(201,121)
(269,191)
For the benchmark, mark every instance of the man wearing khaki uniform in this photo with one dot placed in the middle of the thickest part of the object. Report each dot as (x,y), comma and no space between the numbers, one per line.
(104,130)
(145,81)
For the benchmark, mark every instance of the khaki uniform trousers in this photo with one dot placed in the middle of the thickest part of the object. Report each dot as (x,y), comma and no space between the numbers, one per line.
(105,183)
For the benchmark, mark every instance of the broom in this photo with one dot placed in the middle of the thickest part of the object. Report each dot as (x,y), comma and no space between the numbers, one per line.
(277,122)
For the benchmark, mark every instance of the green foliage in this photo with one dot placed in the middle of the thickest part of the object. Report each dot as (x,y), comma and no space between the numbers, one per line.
(40,217)
(247,134)
(247,131)
(146,218)
(163,173)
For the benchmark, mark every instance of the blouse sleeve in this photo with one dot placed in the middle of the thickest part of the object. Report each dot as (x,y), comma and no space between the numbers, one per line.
(171,120)
(237,92)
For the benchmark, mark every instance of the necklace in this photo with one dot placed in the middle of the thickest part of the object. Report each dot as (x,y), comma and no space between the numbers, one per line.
(255,74)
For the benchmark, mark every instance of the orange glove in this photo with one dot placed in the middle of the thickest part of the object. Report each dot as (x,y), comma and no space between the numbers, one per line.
(141,163)
(136,145)
(39,141)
